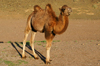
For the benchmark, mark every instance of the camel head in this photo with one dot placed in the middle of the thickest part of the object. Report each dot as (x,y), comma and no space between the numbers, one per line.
(65,10)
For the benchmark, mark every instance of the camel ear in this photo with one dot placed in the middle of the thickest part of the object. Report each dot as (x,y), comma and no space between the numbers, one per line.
(60,9)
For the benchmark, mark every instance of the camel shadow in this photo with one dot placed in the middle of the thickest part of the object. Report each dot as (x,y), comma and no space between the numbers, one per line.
(1,42)
(29,47)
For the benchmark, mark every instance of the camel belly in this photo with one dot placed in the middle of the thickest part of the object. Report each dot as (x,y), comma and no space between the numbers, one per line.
(38,26)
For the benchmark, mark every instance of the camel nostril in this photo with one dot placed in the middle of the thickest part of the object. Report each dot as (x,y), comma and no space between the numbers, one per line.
(69,9)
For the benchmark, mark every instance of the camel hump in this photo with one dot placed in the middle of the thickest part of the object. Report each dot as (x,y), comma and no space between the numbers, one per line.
(37,8)
(48,8)
(50,11)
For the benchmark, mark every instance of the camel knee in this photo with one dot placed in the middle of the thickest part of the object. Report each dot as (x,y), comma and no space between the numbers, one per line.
(27,31)
(48,46)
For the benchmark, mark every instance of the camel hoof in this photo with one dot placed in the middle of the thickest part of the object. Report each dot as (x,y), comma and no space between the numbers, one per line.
(36,58)
(47,62)
(24,57)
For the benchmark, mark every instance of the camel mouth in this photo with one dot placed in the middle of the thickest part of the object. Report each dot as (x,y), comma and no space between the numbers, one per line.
(68,14)
(69,11)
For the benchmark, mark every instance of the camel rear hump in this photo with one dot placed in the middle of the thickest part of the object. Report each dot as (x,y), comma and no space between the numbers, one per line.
(50,11)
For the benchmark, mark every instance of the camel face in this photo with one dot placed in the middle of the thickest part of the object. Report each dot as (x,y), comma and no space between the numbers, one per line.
(66,10)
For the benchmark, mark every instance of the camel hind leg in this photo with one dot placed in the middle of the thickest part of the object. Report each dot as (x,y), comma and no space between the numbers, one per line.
(27,31)
(32,43)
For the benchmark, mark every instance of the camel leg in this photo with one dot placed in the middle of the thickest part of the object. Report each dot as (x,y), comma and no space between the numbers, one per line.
(32,44)
(27,30)
(24,43)
(48,47)
(49,37)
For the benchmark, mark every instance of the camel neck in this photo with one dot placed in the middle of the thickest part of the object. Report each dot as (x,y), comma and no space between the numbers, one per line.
(61,25)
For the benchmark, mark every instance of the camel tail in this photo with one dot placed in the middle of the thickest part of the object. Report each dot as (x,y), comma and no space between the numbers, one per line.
(29,22)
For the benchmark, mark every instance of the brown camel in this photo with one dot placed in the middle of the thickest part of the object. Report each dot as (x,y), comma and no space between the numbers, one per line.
(45,20)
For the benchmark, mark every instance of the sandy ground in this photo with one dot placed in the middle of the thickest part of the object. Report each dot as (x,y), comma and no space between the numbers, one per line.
(78,46)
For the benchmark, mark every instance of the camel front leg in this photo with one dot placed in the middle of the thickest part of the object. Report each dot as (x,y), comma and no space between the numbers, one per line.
(48,47)
(32,44)
(49,37)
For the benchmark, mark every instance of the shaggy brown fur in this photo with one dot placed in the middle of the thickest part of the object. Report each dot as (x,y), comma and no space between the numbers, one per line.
(45,20)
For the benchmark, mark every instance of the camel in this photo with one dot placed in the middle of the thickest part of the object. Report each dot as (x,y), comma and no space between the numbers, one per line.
(45,21)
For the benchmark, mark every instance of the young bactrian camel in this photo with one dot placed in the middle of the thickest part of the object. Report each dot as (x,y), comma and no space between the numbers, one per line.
(45,20)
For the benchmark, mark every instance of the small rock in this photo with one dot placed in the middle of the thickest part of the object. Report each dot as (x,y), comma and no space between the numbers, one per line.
(82,44)
(98,44)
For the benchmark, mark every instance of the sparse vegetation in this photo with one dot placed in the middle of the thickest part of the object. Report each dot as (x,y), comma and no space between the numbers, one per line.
(9,63)
(95,6)
(39,44)
(12,63)
(0,60)
(4,48)
(21,61)
(75,41)
(56,40)
(9,42)
(43,41)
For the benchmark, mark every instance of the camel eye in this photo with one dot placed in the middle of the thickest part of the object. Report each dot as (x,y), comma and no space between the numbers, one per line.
(62,10)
